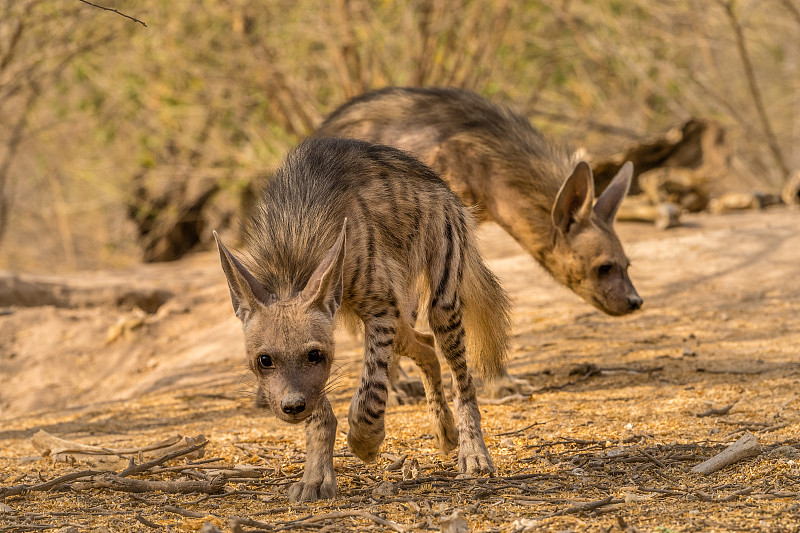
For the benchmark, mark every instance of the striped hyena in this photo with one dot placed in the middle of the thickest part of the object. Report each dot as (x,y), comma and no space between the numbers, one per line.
(495,160)
(364,229)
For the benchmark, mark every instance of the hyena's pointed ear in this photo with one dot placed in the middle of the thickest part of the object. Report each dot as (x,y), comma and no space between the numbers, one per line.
(574,200)
(246,291)
(608,203)
(325,287)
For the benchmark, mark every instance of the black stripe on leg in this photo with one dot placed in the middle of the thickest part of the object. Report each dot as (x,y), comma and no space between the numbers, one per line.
(452,325)
(362,419)
(374,414)
(443,281)
(456,344)
(384,330)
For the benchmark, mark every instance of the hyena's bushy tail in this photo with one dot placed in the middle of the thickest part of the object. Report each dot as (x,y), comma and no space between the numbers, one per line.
(486,315)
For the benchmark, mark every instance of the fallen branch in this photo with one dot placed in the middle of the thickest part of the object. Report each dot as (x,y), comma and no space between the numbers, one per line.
(342,514)
(63,450)
(135,469)
(124,484)
(745,447)
(47,485)
(48,444)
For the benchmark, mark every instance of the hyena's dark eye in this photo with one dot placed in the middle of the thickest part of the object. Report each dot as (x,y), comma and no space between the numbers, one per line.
(315,357)
(604,269)
(265,361)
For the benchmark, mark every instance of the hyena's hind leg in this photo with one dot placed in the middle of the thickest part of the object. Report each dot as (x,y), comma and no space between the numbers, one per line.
(420,348)
(446,320)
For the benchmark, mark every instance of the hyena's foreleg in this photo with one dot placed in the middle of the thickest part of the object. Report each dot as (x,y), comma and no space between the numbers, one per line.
(446,320)
(367,409)
(319,479)
(420,348)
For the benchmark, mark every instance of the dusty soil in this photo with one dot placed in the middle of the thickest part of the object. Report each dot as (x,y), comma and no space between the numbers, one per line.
(613,422)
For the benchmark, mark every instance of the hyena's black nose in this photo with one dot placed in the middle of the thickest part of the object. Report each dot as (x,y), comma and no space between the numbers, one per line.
(293,405)
(634,302)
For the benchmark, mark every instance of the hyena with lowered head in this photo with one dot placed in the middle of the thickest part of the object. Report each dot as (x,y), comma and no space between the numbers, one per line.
(360,228)
(495,160)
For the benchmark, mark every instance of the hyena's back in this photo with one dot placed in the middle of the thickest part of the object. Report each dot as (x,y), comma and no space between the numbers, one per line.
(421,121)
(406,231)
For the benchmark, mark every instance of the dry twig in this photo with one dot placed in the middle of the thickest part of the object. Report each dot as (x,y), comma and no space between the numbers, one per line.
(587,506)
(718,411)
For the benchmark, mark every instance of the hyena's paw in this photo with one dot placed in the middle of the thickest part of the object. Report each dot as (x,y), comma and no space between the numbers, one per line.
(507,386)
(474,459)
(397,397)
(446,432)
(365,440)
(309,492)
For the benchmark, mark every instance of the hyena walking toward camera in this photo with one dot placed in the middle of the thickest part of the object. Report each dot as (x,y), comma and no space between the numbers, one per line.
(349,226)
(495,160)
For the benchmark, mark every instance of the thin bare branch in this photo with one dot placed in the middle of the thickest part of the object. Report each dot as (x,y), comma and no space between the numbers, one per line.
(755,91)
(114,11)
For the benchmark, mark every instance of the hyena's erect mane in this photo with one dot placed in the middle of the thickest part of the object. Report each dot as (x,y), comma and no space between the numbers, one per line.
(302,209)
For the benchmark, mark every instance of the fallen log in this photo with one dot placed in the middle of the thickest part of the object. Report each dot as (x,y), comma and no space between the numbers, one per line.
(639,209)
(746,446)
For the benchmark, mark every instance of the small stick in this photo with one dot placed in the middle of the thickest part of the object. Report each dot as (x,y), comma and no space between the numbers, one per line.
(184,512)
(718,411)
(114,11)
(745,447)
(514,432)
(587,506)
(236,523)
(145,521)
(773,428)
(397,465)
(790,400)
(653,459)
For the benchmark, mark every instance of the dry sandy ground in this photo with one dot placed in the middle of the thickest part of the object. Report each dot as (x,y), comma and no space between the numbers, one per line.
(613,419)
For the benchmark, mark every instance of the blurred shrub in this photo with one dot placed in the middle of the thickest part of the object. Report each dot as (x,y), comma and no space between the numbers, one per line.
(113,135)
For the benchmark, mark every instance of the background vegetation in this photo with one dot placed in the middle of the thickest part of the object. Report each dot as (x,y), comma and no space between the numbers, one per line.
(98,111)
